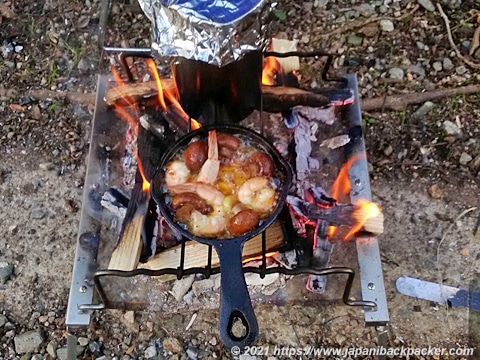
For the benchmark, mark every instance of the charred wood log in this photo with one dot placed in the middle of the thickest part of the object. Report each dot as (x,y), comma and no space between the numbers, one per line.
(275,98)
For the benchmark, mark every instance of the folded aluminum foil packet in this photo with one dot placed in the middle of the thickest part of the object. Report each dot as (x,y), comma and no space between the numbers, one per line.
(213,31)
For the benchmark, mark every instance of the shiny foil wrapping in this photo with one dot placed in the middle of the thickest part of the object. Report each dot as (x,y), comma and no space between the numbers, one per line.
(217,32)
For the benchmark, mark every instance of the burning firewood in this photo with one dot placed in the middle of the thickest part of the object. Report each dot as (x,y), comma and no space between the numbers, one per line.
(127,253)
(275,98)
(196,254)
(366,215)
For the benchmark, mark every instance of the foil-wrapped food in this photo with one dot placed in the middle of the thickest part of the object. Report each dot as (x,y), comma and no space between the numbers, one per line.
(213,31)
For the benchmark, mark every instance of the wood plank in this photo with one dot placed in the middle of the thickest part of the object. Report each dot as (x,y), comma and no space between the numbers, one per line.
(196,254)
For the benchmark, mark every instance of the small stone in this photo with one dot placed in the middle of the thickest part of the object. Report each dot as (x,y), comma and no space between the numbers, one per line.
(129,317)
(464,158)
(437,66)
(460,70)
(38,214)
(388,150)
(83,65)
(448,64)
(420,45)
(6,270)
(213,341)
(150,352)
(423,110)
(386,25)
(52,349)
(435,191)
(3,320)
(417,70)
(36,357)
(29,341)
(172,344)
(366,9)
(13,229)
(46,166)
(354,40)
(340,339)
(56,152)
(10,135)
(427,5)
(451,128)
(465,251)
(382,9)
(202,286)
(396,73)
(192,353)
(83,341)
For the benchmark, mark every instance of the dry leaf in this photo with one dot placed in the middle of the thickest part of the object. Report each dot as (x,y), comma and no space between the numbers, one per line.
(435,191)
(7,11)
(465,251)
(17,107)
(475,41)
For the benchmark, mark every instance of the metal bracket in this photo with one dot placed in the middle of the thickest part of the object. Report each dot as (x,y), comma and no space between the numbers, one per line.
(368,252)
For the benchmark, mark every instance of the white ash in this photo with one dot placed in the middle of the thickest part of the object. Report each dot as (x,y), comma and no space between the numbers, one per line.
(130,160)
(253,279)
(110,203)
(287,259)
(181,287)
(303,148)
(336,142)
(323,115)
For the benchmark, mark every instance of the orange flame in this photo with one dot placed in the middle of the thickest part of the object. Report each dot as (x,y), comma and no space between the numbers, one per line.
(342,184)
(259,257)
(116,76)
(363,211)
(145,182)
(271,68)
(170,94)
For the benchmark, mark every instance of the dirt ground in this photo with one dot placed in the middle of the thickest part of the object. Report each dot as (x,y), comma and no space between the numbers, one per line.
(425,173)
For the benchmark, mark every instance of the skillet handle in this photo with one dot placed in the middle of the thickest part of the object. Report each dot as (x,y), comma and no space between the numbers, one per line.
(235,304)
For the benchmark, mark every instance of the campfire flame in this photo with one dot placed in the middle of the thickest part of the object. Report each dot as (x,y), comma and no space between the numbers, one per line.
(145,182)
(270,70)
(364,209)
(171,95)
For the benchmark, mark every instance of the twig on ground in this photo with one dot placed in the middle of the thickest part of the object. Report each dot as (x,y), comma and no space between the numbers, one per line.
(444,16)
(358,24)
(399,102)
(462,214)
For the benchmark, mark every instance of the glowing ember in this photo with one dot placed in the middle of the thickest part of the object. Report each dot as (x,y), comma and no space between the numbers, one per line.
(271,68)
(259,257)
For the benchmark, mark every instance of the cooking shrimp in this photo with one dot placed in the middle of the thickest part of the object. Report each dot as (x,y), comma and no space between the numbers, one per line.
(209,171)
(177,173)
(210,225)
(256,194)
(208,192)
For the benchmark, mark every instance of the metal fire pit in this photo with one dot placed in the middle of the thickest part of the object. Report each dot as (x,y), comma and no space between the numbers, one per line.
(91,283)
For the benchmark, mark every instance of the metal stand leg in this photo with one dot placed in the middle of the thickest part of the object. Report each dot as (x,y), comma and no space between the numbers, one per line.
(382,336)
(71,347)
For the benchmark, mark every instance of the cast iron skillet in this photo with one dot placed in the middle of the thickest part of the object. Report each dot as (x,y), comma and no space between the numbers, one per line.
(235,303)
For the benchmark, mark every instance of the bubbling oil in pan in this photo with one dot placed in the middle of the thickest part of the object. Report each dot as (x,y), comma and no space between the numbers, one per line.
(240,192)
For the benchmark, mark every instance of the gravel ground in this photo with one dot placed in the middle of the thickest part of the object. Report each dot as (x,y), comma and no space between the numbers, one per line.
(425,171)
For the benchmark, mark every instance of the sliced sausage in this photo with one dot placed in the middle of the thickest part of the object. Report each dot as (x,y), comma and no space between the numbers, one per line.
(195,155)
(244,221)
(192,199)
